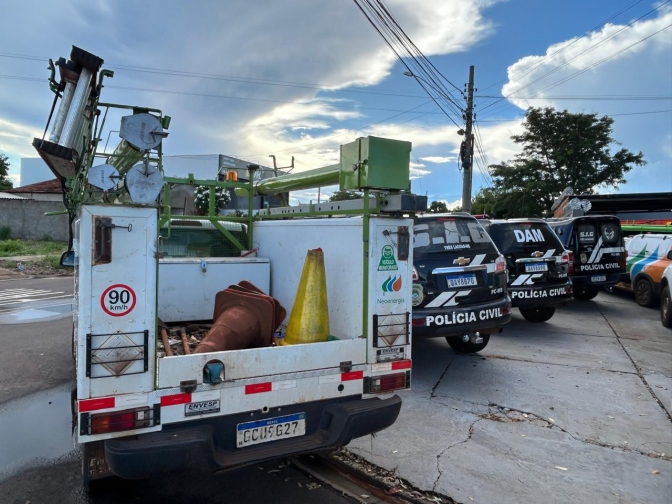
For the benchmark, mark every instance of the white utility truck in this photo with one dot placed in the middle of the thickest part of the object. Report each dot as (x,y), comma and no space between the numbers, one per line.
(137,412)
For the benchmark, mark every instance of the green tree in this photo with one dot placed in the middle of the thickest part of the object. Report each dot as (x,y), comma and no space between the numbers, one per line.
(485,201)
(5,181)
(202,199)
(560,149)
(437,207)
(345,195)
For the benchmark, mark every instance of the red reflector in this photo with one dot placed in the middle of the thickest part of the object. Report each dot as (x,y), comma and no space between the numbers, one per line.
(172,400)
(419,322)
(257,388)
(95,404)
(404,364)
(352,375)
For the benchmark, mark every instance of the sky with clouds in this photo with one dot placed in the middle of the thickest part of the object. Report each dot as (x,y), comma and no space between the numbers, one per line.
(300,77)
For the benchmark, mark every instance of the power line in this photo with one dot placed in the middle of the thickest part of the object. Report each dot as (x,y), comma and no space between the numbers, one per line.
(589,49)
(230,78)
(610,115)
(415,62)
(344,134)
(228,97)
(531,67)
(576,74)
(591,98)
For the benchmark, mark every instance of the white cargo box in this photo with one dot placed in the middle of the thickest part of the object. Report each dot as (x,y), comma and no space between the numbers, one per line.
(187,286)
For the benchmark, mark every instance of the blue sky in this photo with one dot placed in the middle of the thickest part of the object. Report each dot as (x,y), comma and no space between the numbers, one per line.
(263,64)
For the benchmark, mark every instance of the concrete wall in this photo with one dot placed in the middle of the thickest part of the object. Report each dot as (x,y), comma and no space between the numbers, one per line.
(27,220)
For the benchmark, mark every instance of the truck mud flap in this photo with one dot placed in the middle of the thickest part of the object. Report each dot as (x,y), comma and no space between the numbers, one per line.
(204,445)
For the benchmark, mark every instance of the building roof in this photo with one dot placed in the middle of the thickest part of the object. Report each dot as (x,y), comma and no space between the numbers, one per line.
(46,187)
(611,203)
(5,195)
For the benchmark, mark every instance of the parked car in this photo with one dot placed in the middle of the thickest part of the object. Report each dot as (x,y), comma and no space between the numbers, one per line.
(538,265)
(665,301)
(648,256)
(597,251)
(459,278)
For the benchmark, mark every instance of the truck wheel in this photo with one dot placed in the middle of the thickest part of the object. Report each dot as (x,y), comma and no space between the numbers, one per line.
(644,292)
(585,294)
(537,313)
(461,347)
(666,308)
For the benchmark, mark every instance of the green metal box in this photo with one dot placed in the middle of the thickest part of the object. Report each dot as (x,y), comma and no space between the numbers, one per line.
(375,163)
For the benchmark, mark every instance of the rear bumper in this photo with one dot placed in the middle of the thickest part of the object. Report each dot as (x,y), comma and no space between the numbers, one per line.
(548,295)
(211,444)
(455,320)
(584,281)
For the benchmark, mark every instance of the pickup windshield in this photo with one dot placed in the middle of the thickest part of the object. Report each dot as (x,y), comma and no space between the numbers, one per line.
(520,237)
(447,234)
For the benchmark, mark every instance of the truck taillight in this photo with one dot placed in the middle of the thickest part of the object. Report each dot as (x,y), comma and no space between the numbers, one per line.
(570,261)
(500,263)
(387,383)
(115,421)
(416,277)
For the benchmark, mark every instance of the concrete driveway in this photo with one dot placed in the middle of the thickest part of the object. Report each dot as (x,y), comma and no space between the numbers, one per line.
(573,410)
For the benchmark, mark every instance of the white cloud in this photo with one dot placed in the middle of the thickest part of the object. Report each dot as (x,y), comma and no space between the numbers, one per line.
(640,70)
(417,170)
(452,205)
(15,142)
(438,159)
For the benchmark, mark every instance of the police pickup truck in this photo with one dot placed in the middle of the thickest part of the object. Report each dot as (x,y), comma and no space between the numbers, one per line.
(459,282)
(537,263)
(597,252)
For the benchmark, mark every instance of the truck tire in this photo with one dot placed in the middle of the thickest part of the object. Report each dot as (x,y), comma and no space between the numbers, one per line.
(644,292)
(666,307)
(537,313)
(467,348)
(585,294)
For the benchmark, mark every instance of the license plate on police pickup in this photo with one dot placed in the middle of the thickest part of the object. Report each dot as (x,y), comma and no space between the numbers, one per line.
(536,267)
(270,429)
(461,280)
(598,278)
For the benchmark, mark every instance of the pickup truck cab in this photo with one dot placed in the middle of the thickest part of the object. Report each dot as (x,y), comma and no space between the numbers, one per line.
(459,282)
(537,263)
(648,256)
(597,251)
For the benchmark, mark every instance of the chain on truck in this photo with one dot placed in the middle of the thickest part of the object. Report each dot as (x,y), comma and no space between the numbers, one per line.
(138,412)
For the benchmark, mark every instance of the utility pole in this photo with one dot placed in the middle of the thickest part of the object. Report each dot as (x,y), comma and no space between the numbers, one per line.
(467,148)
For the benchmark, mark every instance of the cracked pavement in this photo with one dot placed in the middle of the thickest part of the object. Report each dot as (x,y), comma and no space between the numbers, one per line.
(573,410)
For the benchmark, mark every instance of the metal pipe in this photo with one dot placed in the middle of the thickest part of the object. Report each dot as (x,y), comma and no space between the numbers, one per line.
(124,157)
(319,177)
(74,116)
(63,108)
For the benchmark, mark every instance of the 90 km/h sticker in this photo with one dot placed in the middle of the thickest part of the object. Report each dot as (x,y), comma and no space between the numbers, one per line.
(118,300)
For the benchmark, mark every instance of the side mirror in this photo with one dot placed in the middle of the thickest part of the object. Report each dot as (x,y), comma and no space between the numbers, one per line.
(68,259)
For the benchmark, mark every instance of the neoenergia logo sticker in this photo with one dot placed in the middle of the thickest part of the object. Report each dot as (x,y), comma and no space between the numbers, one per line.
(392,284)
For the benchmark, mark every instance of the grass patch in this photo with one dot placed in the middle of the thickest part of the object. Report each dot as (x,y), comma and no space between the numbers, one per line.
(10,248)
(52,261)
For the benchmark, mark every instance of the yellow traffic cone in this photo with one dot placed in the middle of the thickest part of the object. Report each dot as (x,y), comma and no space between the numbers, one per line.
(309,320)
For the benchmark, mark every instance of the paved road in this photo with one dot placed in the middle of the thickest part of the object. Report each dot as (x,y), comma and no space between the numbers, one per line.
(16,294)
(38,460)
(573,410)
